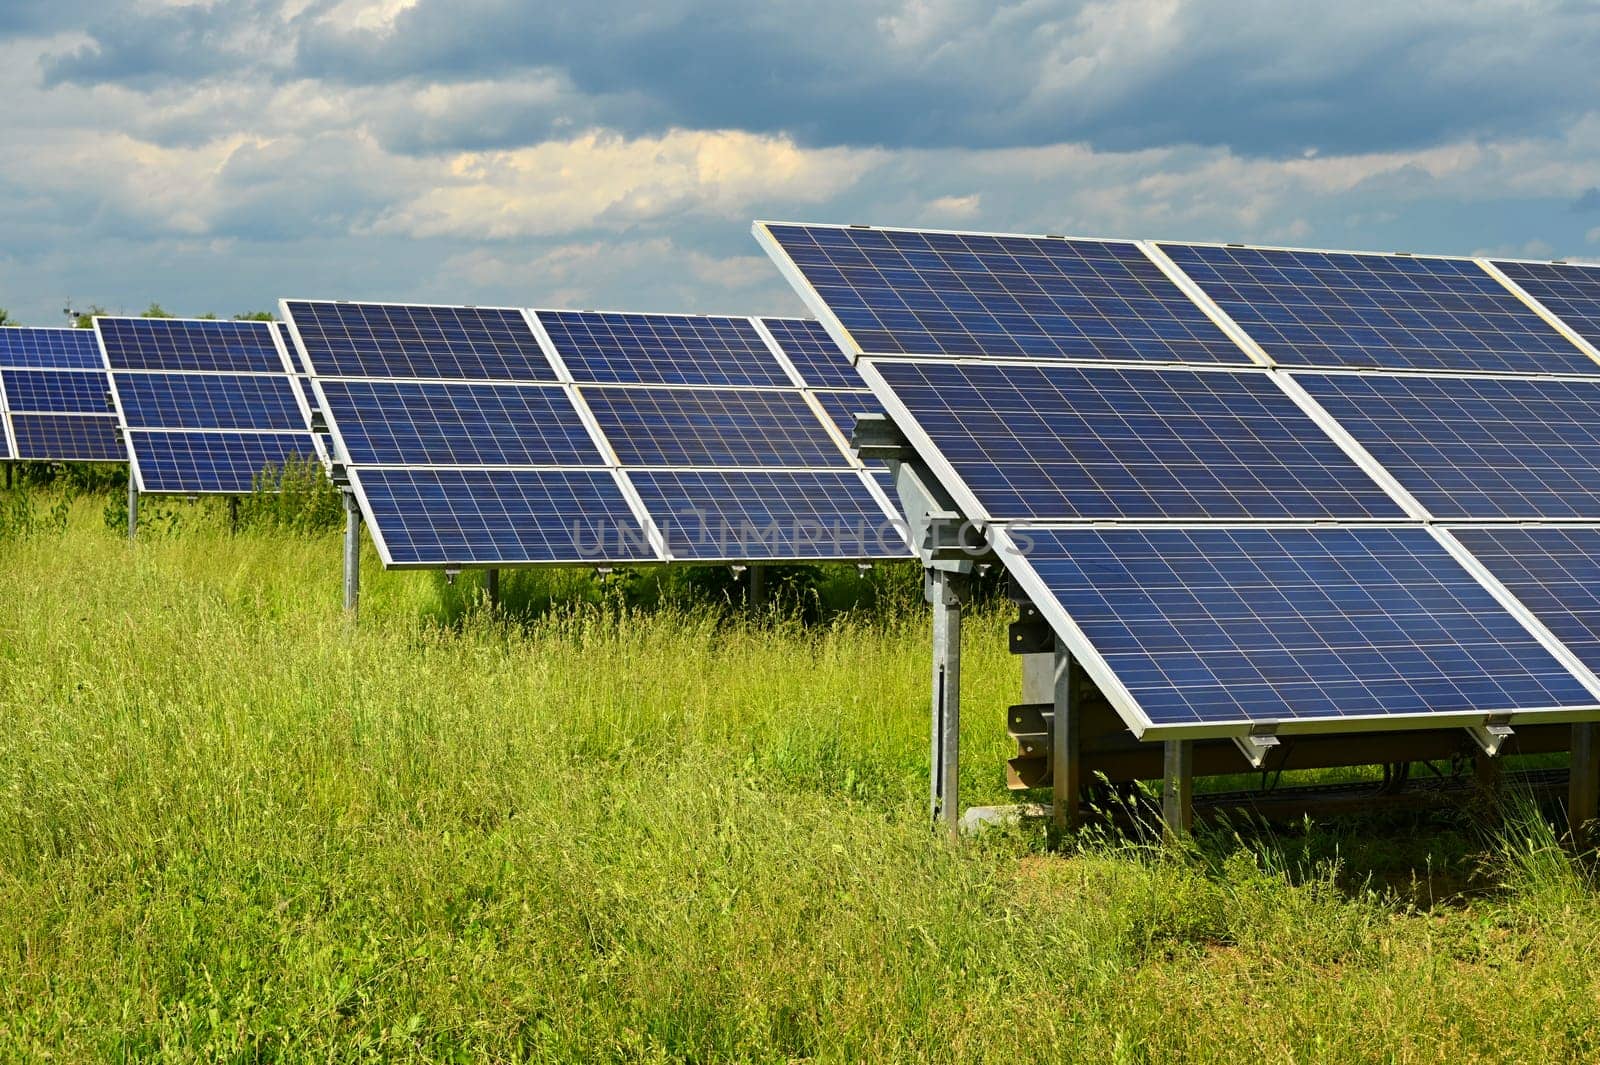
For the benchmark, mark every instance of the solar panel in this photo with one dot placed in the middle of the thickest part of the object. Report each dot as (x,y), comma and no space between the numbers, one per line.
(1345,309)
(968,294)
(68,438)
(1218,627)
(402,423)
(711,427)
(189,345)
(47,373)
(1570,292)
(219,401)
(813,352)
(196,463)
(1476,447)
(661,349)
(61,349)
(430,343)
(57,391)
(1099,442)
(442,517)
(1552,570)
(205,405)
(712,515)
(703,401)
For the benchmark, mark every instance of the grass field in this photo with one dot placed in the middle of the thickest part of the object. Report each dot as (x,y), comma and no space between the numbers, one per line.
(234,828)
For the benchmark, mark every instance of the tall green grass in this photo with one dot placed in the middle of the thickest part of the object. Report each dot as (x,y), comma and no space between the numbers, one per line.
(235,828)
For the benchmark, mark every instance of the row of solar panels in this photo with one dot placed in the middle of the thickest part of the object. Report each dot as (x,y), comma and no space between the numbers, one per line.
(1353,493)
(491,436)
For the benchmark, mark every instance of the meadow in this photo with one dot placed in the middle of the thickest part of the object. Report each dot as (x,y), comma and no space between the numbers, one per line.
(605,825)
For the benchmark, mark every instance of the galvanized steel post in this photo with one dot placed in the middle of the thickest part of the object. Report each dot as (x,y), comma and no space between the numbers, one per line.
(352,553)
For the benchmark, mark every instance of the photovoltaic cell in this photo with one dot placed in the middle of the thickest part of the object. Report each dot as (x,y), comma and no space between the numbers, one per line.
(711,427)
(725,515)
(1080,442)
(502,517)
(68,438)
(397,423)
(1342,309)
(661,349)
(57,391)
(211,401)
(196,462)
(1476,447)
(1224,626)
(433,343)
(189,345)
(964,294)
(813,352)
(63,349)
(1570,292)
(1554,572)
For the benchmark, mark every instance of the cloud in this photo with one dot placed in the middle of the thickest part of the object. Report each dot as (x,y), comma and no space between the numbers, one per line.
(215,155)
(612,182)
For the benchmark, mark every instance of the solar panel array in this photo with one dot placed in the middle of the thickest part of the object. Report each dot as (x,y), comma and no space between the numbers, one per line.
(205,406)
(1228,549)
(498,437)
(55,398)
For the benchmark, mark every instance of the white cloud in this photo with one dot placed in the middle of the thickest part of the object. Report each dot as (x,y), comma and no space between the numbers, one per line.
(607,181)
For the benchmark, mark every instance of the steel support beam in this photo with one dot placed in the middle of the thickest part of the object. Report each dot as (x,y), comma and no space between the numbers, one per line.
(1066,741)
(944,595)
(758,586)
(133,506)
(352,553)
(1583,786)
(491,587)
(1177,789)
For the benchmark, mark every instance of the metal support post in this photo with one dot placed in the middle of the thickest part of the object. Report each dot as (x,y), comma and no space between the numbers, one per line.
(233,514)
(133,506)
(758,586)
(491,587)
(352,553)
(1177,789)
(943,593)
(1066,774)
(8,475)
(1583,794)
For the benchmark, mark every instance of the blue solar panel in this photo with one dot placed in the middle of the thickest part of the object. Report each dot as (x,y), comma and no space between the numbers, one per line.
(209,401)
(450,343)
(842,408)
(1228,626)
(813,352)
(387,423)
(68,438)
(64,349)
(184,462)
(1319,308)
(1476,447)
(661,349)
(501,517)
(185,345)
(1571,293)
(711,515)
(1082,442)
(963,294)
(57,391)
(711,427)
(1554,572)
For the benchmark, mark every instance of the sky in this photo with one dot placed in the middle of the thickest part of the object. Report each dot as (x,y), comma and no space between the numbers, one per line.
(215,156)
